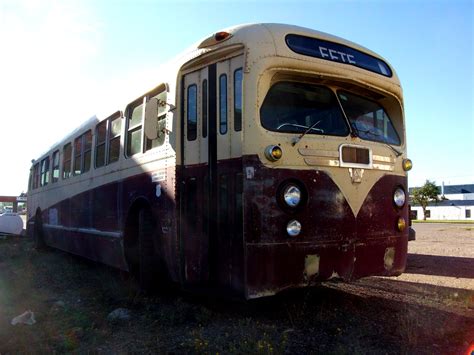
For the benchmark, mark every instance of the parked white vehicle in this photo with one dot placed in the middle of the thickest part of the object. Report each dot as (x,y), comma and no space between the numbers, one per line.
(11,223)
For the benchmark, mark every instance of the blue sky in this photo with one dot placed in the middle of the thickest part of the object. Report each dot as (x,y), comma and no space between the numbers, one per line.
(64,61)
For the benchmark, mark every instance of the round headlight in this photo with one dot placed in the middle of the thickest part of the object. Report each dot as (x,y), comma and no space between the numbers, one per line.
(292,195)
(399,197)
(293,228)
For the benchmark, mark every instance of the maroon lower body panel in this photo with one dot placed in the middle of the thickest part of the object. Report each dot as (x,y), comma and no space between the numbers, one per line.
(100,247)
(228,229)
(94,224)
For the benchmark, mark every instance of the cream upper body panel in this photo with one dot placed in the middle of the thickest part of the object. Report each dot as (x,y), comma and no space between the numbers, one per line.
(267,59)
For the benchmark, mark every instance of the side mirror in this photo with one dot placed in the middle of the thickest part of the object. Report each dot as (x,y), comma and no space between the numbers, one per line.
(151,118)
(154,108)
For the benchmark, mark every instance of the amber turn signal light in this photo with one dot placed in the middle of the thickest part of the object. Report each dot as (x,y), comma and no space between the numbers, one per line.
(401,224)
(273,152)
(407,164)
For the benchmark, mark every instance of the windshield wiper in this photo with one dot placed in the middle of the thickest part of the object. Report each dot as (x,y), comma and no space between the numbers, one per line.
(396,151)
(304,133)
(356,131)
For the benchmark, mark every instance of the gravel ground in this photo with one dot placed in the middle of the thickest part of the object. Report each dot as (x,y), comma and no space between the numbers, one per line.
(442,255)
(429,309)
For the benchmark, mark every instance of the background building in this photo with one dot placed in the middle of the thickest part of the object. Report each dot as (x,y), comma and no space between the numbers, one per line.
(456,203)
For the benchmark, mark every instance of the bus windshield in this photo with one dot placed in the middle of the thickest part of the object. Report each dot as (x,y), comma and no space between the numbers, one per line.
(293,107)
(297,107)
(368,119)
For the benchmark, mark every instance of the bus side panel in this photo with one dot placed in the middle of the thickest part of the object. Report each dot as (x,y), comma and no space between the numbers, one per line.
(224,266)
(69,226)
(106,208)
(104,249)
(91,224)
(230,225)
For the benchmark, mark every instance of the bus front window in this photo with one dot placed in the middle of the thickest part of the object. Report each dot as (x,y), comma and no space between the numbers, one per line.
(368,119)
(293,107)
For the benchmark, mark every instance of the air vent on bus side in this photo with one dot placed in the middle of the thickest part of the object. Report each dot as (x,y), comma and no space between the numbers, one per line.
(355,156)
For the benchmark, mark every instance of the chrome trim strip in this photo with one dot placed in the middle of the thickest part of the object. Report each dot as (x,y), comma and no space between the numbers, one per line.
(85,231)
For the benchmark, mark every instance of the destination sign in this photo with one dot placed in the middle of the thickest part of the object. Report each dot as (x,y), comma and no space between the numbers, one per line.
(336,52)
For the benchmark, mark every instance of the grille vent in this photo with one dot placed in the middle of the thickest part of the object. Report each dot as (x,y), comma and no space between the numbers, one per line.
(355,155)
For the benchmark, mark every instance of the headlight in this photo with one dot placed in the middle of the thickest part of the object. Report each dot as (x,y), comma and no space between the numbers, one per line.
(292,195)
(293,228)
(399,197)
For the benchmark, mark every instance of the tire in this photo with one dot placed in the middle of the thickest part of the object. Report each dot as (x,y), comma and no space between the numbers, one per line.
(38,233)
(148,277)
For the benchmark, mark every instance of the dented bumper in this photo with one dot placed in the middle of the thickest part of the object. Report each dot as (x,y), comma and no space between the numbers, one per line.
(275,267)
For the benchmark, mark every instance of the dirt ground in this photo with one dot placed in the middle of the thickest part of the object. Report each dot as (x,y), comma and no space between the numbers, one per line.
(429,309)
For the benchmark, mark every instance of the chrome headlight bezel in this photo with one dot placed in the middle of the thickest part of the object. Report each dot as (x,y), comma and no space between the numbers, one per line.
(293,228)
(399,197)
(292,195)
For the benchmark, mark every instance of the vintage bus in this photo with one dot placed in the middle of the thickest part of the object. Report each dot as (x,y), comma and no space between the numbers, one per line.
(267,157)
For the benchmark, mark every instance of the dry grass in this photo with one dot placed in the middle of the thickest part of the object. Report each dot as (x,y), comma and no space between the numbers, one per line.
(311,320)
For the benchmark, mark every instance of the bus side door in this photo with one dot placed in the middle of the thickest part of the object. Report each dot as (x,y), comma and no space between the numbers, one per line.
(212,174)
(194,186)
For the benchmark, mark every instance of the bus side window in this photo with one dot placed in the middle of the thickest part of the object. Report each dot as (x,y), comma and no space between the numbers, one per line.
(101,136)
(87,151)
(36,176)
(55,175)
(67,153)
(82,153)
(223,104)
(238,100)
(44,180)
(77,155)
(114,139)
(134,134)
(192,113)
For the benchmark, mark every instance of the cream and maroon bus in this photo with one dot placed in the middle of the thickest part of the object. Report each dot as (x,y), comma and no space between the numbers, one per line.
(267,157)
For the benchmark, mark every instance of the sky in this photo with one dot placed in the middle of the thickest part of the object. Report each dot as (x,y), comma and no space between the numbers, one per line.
(62,62)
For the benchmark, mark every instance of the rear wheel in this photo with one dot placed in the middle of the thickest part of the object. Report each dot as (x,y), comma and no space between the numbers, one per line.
(147,258)
(38,233)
